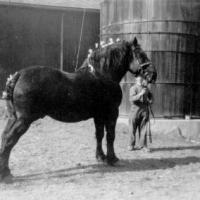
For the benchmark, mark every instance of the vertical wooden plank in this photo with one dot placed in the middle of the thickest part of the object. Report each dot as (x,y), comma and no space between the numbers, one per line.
(61,41)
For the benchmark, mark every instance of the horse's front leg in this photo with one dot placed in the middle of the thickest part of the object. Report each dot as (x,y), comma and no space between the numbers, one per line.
(110,125)
(99,125)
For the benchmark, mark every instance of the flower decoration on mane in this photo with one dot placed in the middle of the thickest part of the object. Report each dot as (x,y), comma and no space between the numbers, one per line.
(110,42)
(96,45)
(118,40)
(10,82)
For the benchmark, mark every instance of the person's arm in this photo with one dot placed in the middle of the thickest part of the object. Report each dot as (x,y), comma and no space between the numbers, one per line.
(134,96)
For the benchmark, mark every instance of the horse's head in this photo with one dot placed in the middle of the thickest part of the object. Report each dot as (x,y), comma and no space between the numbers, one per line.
(141,64)
(114,59)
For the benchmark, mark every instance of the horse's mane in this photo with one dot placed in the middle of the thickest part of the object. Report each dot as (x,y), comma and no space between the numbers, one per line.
(110,57)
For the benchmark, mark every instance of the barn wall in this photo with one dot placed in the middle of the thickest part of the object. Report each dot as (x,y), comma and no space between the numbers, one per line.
(31,36)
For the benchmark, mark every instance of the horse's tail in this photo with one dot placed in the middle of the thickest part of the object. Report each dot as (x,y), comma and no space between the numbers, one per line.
(8,93)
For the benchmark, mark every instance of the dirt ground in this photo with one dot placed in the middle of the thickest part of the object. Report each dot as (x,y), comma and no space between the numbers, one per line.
(56,161)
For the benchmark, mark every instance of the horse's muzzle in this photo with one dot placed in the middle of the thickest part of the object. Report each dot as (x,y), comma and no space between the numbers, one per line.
(151,74)
(151,77)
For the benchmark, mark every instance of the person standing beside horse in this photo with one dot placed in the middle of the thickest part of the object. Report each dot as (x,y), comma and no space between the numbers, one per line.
(140,98)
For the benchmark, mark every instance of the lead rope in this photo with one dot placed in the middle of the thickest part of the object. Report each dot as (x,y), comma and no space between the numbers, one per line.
(80,38)
(149,123)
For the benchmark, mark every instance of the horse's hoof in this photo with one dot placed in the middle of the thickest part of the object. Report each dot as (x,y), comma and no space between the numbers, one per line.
(6,179)
(112,160)
(101,157)
(6,176)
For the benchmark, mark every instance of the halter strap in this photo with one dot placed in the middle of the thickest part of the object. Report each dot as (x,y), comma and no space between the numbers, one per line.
(140,66)
(144,64)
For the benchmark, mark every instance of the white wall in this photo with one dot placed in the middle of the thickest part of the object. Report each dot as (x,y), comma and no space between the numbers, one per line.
(93,4)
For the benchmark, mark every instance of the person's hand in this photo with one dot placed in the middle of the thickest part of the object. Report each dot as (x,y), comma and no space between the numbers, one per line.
(150,101)
(144,90)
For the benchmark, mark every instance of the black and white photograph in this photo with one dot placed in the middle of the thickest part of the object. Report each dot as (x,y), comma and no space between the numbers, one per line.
(99,99)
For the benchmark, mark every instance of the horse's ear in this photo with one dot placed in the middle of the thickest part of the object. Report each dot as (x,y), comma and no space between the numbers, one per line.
(135,42)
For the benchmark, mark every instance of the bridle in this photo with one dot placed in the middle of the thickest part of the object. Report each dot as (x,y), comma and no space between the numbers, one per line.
(142,66)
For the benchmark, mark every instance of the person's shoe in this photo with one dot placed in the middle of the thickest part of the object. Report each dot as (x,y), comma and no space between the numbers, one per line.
(138,148)
(146,150)
(131,148)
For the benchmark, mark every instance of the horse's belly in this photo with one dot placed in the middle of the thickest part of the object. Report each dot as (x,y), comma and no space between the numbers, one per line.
(70,116)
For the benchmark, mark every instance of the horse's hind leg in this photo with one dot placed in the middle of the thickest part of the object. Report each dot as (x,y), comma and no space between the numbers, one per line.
(99,125)
(14,129)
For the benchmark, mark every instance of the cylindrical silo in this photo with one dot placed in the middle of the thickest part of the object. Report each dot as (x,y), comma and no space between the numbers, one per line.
(169,31)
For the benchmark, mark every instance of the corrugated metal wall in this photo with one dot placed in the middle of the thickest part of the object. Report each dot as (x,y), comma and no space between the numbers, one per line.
(32,36)
(169,31)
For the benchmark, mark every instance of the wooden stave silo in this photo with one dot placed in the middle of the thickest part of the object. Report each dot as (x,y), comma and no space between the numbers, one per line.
(169,31)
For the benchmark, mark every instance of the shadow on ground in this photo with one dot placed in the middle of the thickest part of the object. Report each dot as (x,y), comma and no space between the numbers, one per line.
(175,148)
(128,165)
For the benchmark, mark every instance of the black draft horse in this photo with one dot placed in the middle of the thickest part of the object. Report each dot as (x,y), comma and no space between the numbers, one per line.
(35,92)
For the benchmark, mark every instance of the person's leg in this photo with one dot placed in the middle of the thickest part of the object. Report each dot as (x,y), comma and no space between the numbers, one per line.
(132,130)
(143,129)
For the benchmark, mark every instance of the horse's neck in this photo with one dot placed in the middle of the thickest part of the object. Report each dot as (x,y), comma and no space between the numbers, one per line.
(113,70)
(118,74)
(115,73)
